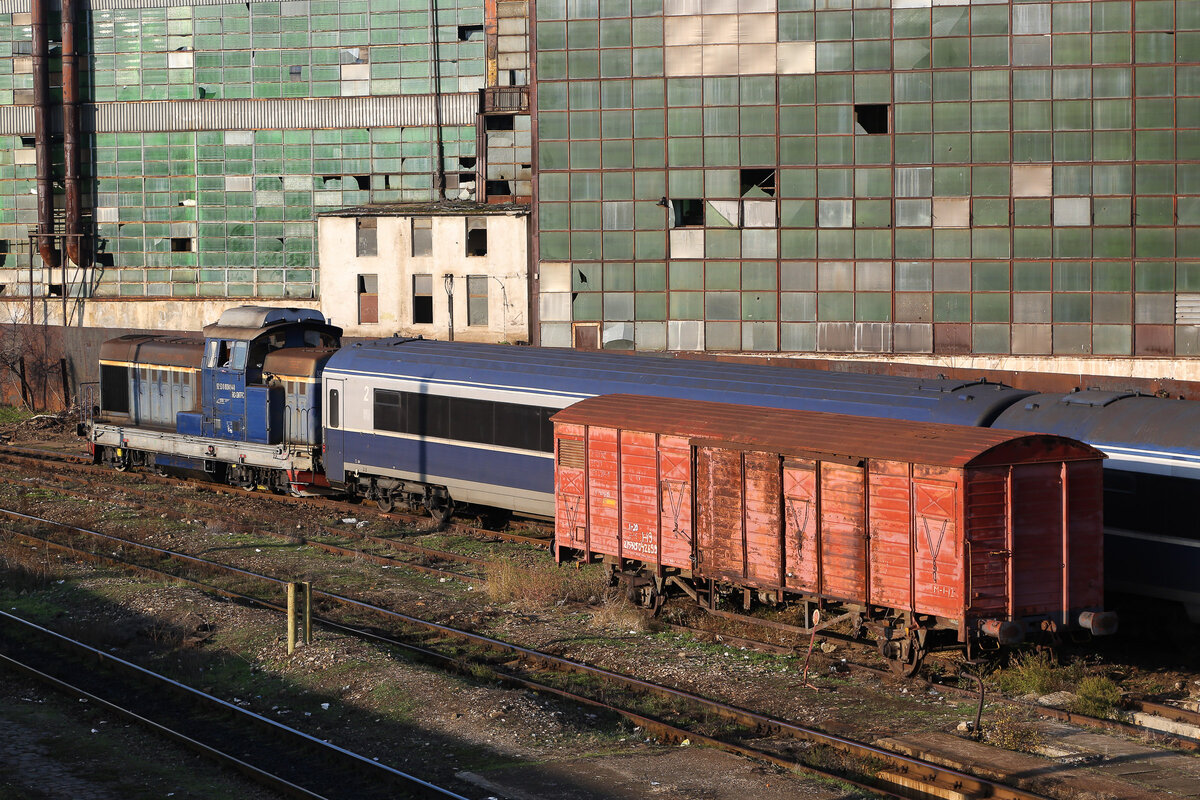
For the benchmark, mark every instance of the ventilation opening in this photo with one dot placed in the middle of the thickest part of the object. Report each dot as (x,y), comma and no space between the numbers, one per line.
(871,118)
(688,211)
(470,33)
(758,182)
(28,141)
(181,244)
(502,122)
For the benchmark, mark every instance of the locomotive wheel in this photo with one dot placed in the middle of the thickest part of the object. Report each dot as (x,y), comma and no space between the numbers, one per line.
(904,656)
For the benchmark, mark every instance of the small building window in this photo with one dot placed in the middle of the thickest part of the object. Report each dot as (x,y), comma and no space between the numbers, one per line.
(366,238)
(476,236)
(422,237)
(422,299)
(368,299)
(477,300)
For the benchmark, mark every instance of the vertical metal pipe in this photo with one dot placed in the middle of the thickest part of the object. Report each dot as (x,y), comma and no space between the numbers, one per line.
(43,148)
(73,226)
(435,56)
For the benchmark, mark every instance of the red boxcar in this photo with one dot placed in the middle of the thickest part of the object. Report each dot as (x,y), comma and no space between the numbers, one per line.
(927,534)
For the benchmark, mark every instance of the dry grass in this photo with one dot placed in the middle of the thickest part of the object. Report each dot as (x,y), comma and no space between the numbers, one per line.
(615,612)
(1008,728)
(543,584)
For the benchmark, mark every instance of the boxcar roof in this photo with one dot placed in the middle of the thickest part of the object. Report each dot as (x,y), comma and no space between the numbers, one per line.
(815,433)
(569,375)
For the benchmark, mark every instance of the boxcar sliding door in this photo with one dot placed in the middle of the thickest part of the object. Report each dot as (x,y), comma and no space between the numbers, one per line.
(843,531)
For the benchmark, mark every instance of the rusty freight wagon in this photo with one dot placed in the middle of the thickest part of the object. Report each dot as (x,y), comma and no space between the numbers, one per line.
(927,535)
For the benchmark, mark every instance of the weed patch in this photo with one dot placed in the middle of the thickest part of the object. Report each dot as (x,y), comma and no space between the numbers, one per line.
(542,584)
(1008,729)
(1097,696)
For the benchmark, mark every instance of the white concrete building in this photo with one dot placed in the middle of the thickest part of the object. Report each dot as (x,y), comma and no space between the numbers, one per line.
(449,271)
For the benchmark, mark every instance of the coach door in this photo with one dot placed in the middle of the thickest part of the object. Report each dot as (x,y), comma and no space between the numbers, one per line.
(335,469)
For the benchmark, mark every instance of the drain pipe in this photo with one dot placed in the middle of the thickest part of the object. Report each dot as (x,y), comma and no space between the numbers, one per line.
(73,227)
(41,131)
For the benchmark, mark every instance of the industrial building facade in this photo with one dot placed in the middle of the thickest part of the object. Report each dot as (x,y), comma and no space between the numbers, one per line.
(924,179)
(886,176)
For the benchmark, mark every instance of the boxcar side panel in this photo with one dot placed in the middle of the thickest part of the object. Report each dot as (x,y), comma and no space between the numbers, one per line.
(719,506)
(763,488)
(937,545)
(1086,532)
(987,541)
(570,487)
(843,532)
(639,496)
(800,521)
(890,516)
(1037,538)
(603,489)
(675,501)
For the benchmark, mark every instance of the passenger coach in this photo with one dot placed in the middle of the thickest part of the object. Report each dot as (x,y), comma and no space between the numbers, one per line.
(440,424)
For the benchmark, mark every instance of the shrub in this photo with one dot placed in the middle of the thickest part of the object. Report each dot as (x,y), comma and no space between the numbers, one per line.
(1008,729)
(1097,696)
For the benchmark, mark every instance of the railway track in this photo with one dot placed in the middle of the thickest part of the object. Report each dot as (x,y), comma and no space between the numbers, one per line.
(267,752)
(83,465)
(1154,709)
(669,713)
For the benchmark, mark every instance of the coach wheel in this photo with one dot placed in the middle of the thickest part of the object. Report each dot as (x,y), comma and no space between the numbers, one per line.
(385,501)
(440,508)
(903,655)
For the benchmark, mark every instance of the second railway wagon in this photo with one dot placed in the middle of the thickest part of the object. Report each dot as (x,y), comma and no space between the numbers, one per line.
(928,535)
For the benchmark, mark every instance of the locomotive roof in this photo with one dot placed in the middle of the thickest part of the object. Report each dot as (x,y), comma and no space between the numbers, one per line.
(248,322)
(821,434)
(570,375)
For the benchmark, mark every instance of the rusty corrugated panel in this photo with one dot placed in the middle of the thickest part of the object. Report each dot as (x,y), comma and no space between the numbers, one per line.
(986,517)
(154,350)
(675,501)
(638,496)
(801,508)
(843,532)
(290,114)
(719,530)
(297,362)
(603,485)
(937,543)
(889,514)
(820,434)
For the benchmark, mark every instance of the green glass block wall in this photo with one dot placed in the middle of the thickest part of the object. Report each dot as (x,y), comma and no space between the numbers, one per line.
(995,178)
(230,213)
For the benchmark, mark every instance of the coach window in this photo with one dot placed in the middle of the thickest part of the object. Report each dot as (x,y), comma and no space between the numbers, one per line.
(422,299)
(333,409)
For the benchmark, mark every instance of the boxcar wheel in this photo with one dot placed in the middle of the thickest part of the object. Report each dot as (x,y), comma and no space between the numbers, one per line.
(904,656)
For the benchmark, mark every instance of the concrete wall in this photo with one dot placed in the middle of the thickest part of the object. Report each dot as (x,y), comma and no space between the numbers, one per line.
(505,266)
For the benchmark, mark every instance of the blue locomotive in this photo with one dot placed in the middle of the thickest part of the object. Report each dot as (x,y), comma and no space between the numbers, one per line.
(242,405)
(269,399)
